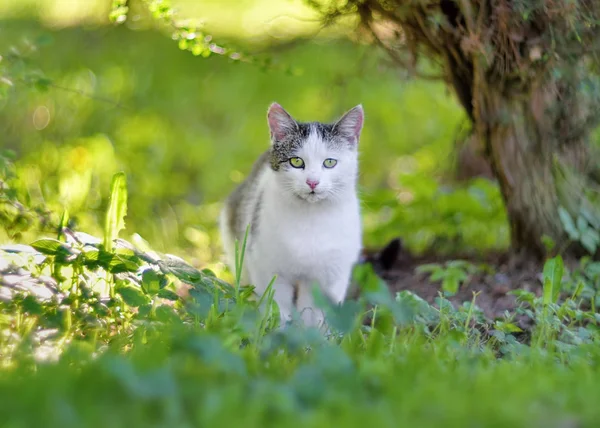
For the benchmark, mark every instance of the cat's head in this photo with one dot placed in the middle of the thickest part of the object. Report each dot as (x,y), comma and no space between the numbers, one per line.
(315,161)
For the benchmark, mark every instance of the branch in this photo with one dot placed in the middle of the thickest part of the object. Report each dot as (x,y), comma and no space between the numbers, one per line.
(398,60)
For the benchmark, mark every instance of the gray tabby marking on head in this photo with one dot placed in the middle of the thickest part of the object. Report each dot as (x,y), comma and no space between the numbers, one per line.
(290,136)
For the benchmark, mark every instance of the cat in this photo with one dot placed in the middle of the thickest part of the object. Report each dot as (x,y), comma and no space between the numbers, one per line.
(301,206)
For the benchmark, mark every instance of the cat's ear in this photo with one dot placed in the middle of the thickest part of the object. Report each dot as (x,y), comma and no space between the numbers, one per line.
(350,125)
(280,122)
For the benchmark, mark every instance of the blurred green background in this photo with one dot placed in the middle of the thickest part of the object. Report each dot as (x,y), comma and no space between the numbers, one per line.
(187,129)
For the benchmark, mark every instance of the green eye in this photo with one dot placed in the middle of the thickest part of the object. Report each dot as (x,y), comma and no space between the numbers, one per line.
(329,163)
(297,162)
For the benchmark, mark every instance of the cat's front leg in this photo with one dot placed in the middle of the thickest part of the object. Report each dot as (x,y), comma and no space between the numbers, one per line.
(283,294)
(311,315)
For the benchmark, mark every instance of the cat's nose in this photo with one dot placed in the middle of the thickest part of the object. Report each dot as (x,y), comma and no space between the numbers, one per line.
(312,183)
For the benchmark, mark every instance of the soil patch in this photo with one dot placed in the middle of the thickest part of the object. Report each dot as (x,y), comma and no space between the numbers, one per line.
(506,272)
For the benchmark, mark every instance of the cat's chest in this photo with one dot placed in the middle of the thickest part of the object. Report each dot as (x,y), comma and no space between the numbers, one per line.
(308,237)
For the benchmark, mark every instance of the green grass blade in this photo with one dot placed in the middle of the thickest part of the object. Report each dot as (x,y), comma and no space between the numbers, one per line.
(553,272)
(117,209)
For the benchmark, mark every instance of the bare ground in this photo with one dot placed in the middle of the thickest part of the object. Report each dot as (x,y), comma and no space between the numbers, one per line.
(507,272)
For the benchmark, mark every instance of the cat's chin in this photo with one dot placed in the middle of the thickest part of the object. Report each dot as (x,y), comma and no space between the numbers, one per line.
(310,197)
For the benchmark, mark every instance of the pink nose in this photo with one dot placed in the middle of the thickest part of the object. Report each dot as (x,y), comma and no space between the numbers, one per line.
(312,184)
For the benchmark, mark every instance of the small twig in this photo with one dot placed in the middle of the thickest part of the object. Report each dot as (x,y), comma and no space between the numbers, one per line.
(79,92)
(401,62)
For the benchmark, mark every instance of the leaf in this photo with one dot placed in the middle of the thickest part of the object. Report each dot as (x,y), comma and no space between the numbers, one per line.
(582,224)
(32,306)
(548,243)
(64,221)
(63,252)
(150,282)
(431,267)
(568,224)
(450,284)
(438,275)
(553,272)
(117,209)
(366,278)
(590,240)
(181,270)
(167,315)
(124,263)
(167,294)
(114,263)
(42,84)
(592,218)
(132,296)
(49,246)
(415,305)
(152,384)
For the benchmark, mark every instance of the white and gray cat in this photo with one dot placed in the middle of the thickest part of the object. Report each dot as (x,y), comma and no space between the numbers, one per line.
(301,204)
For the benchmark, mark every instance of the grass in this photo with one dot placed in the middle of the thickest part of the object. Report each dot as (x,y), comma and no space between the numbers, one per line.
(114,345)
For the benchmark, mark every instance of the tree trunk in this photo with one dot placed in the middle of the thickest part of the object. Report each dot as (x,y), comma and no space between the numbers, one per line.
(520,70)
(529,152)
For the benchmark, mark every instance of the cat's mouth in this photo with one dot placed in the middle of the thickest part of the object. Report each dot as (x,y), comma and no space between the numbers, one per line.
(311,196)
(314,196)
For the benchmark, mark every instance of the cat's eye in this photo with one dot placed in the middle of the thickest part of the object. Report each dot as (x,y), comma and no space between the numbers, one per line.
(297,162)
(329,163)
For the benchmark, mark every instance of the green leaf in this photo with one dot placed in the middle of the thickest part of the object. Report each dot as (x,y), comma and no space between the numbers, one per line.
(114,263)
(119,264)
(42,84)
(430,267)
(167,315)
(548,243)
(117,209)
(151,282)
(450,285)
(438,275)
(97,258)
(553,272)
(48,246)
(32,306)
(64,221)
(568,223)
(54,247)
(181,270)
(590,240)
(168,294)
(582,224)
(183,44)
(132,296)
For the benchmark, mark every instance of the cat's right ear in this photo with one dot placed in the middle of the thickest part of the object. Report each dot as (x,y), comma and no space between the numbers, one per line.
(280,122)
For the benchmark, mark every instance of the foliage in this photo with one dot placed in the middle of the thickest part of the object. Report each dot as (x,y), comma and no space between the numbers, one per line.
(452,274)
(98,330)
(188,37)
(584,230)
(197,126)
(147,355)
(15,217)
(428,215)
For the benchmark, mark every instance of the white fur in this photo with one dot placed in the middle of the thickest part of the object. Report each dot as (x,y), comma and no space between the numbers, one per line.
(303,238)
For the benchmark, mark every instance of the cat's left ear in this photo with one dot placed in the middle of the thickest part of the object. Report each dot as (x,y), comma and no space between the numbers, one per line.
(281,123)
(350,125)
